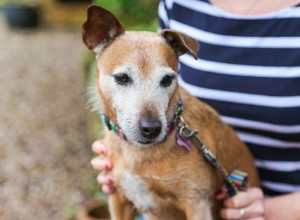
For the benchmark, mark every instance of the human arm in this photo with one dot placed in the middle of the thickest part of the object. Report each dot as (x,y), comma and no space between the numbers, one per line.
(283,207)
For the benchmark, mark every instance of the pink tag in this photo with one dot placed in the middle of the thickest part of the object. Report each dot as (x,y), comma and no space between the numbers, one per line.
(183,143)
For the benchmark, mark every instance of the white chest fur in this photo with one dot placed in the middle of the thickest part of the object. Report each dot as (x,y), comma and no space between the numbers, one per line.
(137,191)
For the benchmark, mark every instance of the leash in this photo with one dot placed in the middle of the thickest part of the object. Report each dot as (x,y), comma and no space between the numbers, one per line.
(234,182)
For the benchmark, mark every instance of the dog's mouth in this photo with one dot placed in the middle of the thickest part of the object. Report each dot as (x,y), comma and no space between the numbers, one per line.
(146,142)
(151,142)
(146,132)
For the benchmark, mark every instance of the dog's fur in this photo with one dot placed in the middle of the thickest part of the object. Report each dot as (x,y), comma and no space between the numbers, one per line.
(160,179)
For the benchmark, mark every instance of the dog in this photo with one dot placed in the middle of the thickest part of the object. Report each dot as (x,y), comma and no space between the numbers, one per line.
(140,95)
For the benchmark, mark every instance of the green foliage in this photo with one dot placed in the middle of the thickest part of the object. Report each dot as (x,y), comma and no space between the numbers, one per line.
(135,14)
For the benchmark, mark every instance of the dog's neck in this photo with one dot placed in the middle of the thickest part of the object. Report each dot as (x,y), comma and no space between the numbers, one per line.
(112,126)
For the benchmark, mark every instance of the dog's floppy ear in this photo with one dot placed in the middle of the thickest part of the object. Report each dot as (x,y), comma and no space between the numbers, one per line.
(180,42)
(100,28)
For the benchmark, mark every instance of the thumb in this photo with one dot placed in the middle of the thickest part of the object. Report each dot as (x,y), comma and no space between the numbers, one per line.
(221,194)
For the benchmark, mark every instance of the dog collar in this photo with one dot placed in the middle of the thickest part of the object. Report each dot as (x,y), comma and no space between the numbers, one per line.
(112,126)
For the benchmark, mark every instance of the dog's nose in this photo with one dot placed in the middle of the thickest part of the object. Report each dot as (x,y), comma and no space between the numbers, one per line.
(150,128)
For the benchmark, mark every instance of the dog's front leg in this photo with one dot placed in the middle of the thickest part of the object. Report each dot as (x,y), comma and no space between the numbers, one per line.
(200,210)
(120,208)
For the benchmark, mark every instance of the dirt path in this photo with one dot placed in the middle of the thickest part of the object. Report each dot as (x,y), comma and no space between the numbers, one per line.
(44,150)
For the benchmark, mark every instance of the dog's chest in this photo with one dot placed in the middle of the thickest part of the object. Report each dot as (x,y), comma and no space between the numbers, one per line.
(137,190)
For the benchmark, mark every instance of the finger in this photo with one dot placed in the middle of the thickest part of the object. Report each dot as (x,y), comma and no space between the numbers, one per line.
(243,199)
(230,213)
(255,210)
(222,194)
(99,148)
(100,163)
(108,189)
(105,178)
(256,218)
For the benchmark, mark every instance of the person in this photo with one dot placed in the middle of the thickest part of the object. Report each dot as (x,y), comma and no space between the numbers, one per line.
(249,71)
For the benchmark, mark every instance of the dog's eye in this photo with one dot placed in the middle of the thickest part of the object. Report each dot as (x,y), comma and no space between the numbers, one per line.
(167,80)
(122,79)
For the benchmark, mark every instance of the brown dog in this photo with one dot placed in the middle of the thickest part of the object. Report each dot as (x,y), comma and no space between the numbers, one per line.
(139,92)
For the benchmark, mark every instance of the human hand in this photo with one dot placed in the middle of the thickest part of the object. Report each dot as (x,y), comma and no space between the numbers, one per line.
(244,205)
(101,163)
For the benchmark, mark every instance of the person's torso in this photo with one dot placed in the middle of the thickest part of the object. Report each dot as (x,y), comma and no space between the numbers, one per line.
(249,70)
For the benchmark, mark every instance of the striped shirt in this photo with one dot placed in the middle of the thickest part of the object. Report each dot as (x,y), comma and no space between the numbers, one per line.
(249,70)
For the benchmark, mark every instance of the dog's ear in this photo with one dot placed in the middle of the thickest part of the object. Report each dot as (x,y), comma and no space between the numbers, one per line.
(180,42)
(100,28)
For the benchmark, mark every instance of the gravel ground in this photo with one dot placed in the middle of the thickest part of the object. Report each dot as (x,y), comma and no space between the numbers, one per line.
(44,147)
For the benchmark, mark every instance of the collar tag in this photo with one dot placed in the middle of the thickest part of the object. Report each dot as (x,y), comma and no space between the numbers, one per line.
(186,144)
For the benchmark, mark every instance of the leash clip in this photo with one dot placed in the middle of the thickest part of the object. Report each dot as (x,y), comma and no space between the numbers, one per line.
(186,133)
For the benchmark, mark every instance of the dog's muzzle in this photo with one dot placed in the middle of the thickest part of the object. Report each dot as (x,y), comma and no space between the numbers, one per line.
(149,128)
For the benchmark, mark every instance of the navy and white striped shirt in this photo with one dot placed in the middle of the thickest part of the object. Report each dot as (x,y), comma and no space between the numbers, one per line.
(249,70)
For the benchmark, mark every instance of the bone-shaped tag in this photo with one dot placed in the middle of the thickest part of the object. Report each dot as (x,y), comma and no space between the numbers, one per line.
(183,143)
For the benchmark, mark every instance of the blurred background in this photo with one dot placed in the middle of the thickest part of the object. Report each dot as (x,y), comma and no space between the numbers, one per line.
(46,128)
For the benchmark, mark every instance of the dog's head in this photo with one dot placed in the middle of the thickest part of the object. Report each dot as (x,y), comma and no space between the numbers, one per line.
(136,74)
